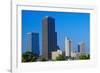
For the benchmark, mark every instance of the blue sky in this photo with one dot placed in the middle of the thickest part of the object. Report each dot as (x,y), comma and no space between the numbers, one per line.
(76,26)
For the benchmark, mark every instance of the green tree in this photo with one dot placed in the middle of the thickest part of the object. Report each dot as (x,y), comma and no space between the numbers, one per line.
(28,57)
(42,58)
(60,57)
(84,57)
(33,59)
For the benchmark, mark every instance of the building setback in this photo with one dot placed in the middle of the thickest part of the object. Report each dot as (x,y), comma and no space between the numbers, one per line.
(49,37)
(33,43)
(68,47)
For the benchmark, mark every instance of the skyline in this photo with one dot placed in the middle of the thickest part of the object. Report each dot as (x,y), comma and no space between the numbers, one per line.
(32,22)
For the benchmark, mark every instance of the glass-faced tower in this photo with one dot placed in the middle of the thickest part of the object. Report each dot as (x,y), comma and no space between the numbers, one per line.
(49,37)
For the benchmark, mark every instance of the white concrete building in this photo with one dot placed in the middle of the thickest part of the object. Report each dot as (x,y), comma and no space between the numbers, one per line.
(73,54)
(68,47)
(56,54)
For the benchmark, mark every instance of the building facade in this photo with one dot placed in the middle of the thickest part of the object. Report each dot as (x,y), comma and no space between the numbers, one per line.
(49,37)
(81,48)
(55,54)
(33,43)
(68,47)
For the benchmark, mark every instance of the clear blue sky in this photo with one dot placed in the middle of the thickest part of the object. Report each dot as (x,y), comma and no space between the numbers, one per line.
(76,26)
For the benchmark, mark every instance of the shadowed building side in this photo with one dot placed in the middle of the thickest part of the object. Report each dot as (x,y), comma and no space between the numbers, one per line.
(33,43)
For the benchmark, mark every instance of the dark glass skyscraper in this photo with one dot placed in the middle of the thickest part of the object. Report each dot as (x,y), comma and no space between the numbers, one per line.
(33,43)
(49,37)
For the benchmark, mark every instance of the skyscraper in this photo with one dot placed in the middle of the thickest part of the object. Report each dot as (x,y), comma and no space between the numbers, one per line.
(49,37)
(33,43)
(68,47)
(81,48)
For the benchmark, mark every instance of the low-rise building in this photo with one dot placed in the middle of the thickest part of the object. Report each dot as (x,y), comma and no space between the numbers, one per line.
(56,54)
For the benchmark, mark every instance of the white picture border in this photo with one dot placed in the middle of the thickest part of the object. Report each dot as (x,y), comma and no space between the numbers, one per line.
(18,66)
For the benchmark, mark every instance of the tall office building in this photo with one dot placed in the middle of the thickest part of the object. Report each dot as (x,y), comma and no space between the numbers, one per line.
(33,43)
(81,48)
(49,37)
(68,47)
